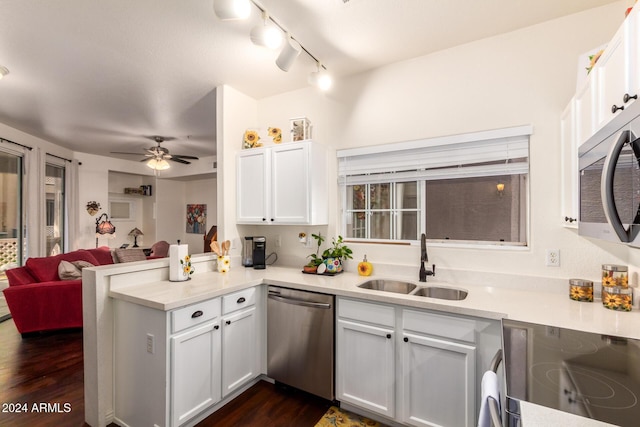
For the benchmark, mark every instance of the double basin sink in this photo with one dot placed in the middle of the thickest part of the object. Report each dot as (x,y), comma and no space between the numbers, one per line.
(408,288)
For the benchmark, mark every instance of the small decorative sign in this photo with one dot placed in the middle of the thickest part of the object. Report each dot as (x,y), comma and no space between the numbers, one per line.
(300,129)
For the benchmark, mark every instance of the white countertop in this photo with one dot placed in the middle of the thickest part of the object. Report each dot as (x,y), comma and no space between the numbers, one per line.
(544,307)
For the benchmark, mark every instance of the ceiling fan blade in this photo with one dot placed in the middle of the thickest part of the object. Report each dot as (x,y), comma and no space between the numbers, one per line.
(185,157)
(122,152)
(173,159)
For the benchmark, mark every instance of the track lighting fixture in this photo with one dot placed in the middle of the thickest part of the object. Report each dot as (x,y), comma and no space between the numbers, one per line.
(228,10)
(289,53)
(3,71)
(321,78)
(267,35)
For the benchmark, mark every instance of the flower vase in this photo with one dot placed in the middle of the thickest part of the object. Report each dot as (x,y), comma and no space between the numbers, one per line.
(334,265)
(224,263)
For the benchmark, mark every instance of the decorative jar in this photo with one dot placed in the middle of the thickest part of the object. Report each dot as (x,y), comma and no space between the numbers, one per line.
(615,275)
(617,298)
(224,263)
(581,290)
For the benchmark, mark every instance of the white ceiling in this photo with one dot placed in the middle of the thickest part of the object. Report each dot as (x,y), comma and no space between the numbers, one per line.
(97,76)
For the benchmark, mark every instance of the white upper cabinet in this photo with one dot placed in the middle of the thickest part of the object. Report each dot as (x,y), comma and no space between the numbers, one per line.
(614,82)
(569,163)
(283,184)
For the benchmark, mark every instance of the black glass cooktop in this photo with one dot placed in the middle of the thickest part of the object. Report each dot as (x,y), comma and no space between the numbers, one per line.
(592,375)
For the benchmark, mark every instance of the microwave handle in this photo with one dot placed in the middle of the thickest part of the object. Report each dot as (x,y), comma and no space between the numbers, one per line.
(606,189)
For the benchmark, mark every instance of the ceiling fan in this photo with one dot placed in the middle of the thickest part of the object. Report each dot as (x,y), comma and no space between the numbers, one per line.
(156,157)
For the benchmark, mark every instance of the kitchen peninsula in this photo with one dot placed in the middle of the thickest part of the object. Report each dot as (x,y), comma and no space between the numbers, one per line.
(145,285)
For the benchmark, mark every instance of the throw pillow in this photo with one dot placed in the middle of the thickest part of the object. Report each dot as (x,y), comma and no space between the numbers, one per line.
(130,255)
(82,264)
(68,271)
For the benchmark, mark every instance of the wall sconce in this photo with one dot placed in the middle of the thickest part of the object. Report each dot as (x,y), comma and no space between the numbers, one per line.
(104,227)
(135,233)
(500,188)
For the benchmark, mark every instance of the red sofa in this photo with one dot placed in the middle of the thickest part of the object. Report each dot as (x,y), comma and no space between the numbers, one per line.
(39,301)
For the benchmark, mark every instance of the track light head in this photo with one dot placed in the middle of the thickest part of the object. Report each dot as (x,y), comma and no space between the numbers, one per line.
(321,78)
(267,35)
(289,53)
(228,10)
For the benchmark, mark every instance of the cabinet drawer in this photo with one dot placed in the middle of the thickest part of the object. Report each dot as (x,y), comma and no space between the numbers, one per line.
(238,300)
(371,313)
(194,314)
(443,326)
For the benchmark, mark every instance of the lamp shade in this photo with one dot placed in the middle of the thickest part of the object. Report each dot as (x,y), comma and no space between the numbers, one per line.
(136,232)
(288,55)
(232,9)
(104,226)
(158,164)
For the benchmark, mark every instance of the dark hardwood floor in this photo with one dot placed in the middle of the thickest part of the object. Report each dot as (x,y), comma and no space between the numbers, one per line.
(41,384)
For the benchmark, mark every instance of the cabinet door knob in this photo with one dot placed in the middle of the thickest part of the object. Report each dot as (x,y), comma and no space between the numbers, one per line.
(626,98)
(264,219)
(568,219)
(272,219)
(406,339)
(388,336)
(241,300)
(615,108)
(197,314)
(216,327)
(228,322)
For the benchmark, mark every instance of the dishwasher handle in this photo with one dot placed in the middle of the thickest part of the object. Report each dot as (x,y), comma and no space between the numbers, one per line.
(295,301)
(494,408)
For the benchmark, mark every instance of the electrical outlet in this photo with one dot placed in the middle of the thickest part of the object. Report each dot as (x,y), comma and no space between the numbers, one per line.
(309,242)
(151,344)
(553,257)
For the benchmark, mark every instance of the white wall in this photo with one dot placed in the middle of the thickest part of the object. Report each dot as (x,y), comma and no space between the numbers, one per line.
(524,77)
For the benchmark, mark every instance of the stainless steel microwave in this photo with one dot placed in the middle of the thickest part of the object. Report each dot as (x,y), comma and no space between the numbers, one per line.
(609,181)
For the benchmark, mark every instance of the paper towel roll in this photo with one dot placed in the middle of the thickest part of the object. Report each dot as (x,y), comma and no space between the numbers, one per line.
(177,253)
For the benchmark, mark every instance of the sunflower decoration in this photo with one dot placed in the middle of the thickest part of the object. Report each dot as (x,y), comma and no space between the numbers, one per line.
(575,293)
(610,301)
(593,59)
(187,269)
(608,281)
(276,134)
(251,139)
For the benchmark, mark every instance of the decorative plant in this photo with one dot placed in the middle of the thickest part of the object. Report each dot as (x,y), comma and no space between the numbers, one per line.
(338,250)
(276,134)
(251,139)
(316,259)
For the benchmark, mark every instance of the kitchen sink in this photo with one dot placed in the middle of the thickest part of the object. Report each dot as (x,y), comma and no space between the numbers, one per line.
(396,286)
(441,293)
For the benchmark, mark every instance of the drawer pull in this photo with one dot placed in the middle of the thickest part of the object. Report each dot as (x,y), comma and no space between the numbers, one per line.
(216,327)
(388,336)
(406,339)
(628,97)
(228,322)
(615,108)
(241,300)
(197,314)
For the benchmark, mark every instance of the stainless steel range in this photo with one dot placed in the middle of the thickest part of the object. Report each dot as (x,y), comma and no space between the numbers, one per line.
(591,375)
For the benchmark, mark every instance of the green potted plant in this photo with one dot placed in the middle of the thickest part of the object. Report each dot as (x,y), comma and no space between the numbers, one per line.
(315,259)
(335,255)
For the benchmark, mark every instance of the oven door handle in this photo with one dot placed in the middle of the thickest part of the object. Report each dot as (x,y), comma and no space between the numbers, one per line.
(295,301)
(606,188)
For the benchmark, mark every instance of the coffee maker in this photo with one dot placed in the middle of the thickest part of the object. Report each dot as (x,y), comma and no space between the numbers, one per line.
(259,252)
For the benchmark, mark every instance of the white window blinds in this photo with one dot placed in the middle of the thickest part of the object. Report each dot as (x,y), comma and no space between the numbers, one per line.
(488,153)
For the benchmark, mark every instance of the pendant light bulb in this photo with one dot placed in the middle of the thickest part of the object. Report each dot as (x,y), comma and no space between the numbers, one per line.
(321,78)
(267,34)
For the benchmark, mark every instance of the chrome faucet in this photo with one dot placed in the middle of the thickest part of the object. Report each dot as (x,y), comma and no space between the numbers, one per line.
(424,258)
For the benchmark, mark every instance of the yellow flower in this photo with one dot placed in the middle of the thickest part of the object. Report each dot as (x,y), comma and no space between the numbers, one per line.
(624,281)
(276,134)
(609,300)
(187,258)
(575,293)
(251,139)
(608,281)
(226,261)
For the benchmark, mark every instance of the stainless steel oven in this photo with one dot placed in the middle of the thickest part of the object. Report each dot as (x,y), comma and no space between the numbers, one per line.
(587,374)
(609,165)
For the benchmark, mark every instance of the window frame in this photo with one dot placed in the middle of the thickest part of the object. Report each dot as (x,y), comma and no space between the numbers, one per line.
(440,142)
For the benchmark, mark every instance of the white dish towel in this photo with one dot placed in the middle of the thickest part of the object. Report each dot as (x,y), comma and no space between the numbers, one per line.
(489,389)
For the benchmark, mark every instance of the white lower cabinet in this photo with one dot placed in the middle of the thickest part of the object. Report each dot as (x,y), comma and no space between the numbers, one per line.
(419,368)
(366,366)
(239,351)
(172,368)
(195,371)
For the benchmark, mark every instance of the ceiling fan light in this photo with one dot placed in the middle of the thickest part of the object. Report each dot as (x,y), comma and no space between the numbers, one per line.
(288,55)
(158,164)
(228,10)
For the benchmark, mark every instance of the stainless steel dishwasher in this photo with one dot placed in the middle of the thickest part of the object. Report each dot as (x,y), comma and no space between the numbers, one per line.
(300,331)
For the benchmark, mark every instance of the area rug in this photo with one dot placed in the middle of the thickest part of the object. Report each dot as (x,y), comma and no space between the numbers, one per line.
(342,418)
